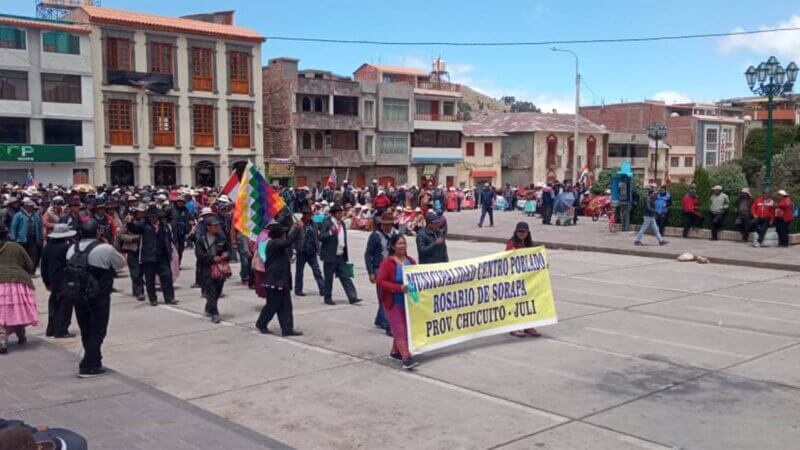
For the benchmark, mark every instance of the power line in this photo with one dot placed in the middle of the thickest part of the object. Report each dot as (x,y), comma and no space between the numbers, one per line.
(531,43)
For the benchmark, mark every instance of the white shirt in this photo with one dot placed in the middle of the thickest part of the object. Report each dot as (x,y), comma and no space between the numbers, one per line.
(340,236)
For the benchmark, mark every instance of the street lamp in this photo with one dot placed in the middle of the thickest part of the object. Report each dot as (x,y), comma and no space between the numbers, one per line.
(770,79)
(656,131)
(575,167)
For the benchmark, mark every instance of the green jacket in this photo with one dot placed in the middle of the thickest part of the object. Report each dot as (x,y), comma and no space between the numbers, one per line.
(17,265)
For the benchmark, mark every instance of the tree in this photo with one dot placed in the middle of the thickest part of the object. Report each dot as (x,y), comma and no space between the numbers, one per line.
(755,148)
(466,111)
(519,105)
(785,171)
(730,176)
(703,183)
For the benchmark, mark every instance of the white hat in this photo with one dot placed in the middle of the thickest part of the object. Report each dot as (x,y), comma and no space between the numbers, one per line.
(28,202)
(375,181)
(716,188)
(745,191)
(61,230)
(205,212)
(224,199)
(782,193)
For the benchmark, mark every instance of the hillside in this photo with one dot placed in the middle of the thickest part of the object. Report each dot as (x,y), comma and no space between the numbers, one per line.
(479,104)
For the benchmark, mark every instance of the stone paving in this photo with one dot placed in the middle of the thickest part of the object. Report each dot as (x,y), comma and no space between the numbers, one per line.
(595,236)
(648,354)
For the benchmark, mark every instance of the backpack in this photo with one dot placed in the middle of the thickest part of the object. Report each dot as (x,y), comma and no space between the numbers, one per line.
(79,284)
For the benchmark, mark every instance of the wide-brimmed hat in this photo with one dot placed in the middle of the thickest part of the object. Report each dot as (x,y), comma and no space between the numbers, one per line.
(745,191)
(152,211)
(205,212)
(782,193)
(223,199)
(386,217)
(60,231)
(58,200)
(211,220)
(336,208)
(28,202)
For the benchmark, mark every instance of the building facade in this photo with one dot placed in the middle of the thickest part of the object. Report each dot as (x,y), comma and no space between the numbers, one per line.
(178,100)
(482,156)
(46,102)
(539,147)
(754,110)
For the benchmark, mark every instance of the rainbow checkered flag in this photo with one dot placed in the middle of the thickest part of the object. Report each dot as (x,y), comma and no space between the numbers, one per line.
(257,203)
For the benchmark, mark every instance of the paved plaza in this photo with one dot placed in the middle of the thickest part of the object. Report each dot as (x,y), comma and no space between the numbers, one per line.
(649,353)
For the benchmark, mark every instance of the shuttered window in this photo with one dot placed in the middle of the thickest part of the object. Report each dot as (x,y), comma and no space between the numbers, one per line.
(239,72)
(201,69)
(163,116)
(240,127)
(203,125)
(161,58)
(120,122)
(118,54)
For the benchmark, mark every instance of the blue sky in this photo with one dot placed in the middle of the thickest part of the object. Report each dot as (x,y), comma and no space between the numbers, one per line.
(701,69)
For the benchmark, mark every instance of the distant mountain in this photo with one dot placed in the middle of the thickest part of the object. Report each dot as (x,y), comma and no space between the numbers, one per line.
(476,104)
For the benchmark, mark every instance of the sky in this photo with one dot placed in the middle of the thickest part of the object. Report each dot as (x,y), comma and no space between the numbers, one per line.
(674,71)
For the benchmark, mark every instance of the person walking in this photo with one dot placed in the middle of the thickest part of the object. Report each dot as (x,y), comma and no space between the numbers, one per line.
(334,255)
(784,214)
(377,250)
(743,205)
(26,230)
(487,205)
(719,206)
(391,294)
(278,279)
(691,215)
(548,200)
(763,212)
(663,203)
(649,218)
(93,311)
(522,239)
(182,222)
(17,296)
(431,245)
(307,248)
(54,262)
(155,253)
(212,248)
(128,243)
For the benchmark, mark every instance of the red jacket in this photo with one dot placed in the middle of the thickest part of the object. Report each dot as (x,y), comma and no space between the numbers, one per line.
(763,208)
(381,202)
(785,209)
(689,204)
(387,286)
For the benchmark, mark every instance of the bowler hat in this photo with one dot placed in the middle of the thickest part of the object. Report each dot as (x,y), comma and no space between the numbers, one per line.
(152,211)
(336,208)
(61,230)
(386,217)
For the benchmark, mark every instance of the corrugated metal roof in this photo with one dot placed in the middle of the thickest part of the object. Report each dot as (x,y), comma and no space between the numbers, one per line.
(527,122)
(32,22)
(474,129)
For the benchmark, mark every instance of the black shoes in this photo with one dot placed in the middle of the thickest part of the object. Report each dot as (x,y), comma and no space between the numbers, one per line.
(64,336)
(300,294)
(410,363)
(356,300)
(153,303)
(328,301)
(171,302)
(92,373)
(140,298)
(292,333)
(264,330)
(396,356)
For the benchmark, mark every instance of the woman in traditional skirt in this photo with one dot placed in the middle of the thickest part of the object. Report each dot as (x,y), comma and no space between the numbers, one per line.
(17,297)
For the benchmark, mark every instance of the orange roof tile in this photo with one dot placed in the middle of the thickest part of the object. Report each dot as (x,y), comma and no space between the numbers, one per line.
(119,17)
(400,70)
(26,22)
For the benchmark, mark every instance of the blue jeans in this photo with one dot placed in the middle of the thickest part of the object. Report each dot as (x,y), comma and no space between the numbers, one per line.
(485,211)
(244,260)
(649,222)
(380,317)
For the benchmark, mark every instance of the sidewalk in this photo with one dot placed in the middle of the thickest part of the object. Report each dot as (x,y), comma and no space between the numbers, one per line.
(594,236)
(116,412)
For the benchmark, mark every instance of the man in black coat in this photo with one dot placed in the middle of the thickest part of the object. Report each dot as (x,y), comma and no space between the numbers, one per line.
(333,252)
(307,248)
(278,279)
(54,261)
(155,253)
(431,245)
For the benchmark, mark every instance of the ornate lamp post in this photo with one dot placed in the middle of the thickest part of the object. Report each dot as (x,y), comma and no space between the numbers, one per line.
(656,132)
(770,79)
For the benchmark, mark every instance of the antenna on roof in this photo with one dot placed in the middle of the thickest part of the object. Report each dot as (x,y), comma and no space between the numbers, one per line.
(56,9)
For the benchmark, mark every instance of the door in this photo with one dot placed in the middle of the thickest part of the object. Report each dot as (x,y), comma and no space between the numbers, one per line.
(165,173)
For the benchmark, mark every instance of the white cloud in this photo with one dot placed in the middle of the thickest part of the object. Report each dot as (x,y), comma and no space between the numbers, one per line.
(784,44)
(670,97)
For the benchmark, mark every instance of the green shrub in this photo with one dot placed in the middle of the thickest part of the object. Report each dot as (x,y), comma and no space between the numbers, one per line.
(729,176)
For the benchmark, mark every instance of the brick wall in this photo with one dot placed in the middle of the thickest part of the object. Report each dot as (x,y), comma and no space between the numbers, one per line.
(366,73)
(279,82)
(626,117)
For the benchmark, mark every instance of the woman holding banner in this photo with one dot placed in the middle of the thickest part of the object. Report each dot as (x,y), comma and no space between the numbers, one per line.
(522,239)
(391,291)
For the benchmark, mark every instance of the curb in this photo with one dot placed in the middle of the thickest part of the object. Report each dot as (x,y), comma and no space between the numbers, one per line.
(629,252)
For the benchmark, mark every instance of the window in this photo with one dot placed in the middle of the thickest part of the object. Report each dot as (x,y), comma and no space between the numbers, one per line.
(674,161)
(13,130)
(203,125)
(63,132)
(240,127)
(368,142)
(552,143)
(711,159)
(388,78)
(393,144)
(448,109)
(470,149)
(688,162)
(347,106)
(627,151)
(423,138)
(161,58)
(591,151)
(13,85)
(306,104)
(61,42)
(61,88)
(344,140)
(448,139)
(120,122)
(711,139)
(163,124)
(369,112)
(118,54)
(318,144)
(80,176)
(306,141)
(12,38)
(487,149)
(423,107)
(201,69)
(319,105)
(239,70)
(570,150)
(395,109)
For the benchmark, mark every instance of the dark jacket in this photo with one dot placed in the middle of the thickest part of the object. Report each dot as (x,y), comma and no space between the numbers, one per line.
(429,251)
(205,254)
(152,246)
(377,250)
(54,261)
(277,267)
(487,198)
(329,241)
(307,243)
(743,205)
(649,206)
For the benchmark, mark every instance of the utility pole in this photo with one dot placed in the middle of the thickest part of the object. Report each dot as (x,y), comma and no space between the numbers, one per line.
(575,167)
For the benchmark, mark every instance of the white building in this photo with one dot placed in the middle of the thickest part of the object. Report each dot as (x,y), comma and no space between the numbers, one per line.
(178,99)
(46,101)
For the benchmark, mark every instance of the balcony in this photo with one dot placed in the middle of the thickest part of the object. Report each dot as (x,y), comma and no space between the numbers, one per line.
(438,117)
(439,86)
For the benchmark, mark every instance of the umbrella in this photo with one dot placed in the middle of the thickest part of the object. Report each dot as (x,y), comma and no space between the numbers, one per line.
(564,201)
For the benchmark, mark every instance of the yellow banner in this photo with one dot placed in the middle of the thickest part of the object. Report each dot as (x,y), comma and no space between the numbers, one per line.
(462,300)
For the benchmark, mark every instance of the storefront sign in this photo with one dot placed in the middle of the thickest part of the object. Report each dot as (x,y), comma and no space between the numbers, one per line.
(280,168)
(26,153)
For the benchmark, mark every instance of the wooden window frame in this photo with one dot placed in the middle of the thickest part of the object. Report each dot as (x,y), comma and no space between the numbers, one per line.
(120,121)
(203,125)
(552,151)
(241,118)
(162,125)
(114,60)
(470,150)
(60,93)
(161,57)
(488,149)
(202,69)
(239,72)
